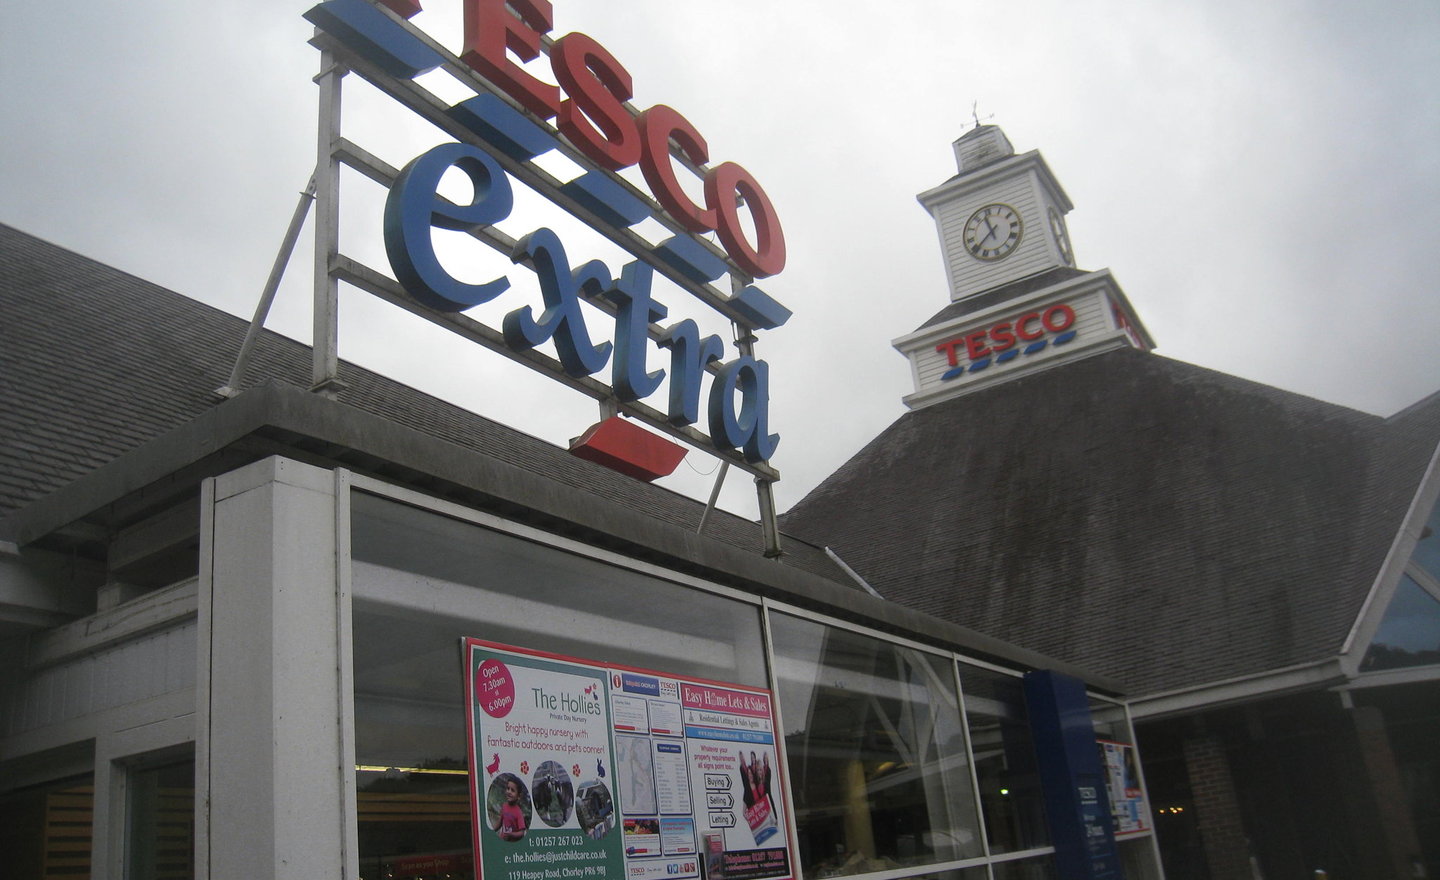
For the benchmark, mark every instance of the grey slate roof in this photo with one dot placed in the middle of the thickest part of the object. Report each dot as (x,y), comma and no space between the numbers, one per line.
(1157,522)
(95,363)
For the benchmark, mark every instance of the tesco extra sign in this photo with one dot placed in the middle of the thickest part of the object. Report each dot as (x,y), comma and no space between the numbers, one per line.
(588,108)
(1025,334)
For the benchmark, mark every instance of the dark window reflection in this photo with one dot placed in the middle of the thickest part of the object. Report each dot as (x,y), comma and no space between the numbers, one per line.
(876,752)
(1427,550)
(978,872)
(1010,796)
(46,831)
(160,822)
(1042,868)
(415,822)
(1409,633)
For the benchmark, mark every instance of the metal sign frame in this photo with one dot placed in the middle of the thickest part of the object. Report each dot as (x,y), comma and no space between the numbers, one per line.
(745,306)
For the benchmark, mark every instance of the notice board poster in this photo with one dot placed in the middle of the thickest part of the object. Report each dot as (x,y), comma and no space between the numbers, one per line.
(591,771)
(1122,775)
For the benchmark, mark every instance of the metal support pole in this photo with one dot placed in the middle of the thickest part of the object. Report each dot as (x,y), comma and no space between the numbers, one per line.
(764,489)
(325,359)
(769,525)
(714,494)
(267,297)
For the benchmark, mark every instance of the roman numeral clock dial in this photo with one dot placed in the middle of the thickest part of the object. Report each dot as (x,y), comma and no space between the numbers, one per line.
(993,232)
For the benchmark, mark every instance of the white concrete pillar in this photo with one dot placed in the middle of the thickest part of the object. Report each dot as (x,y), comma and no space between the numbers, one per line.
(271,743)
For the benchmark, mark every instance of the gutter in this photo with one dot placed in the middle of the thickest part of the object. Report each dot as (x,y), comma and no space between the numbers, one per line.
(1240,689)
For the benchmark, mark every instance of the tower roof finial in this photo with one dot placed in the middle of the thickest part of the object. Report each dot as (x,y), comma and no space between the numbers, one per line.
(981,145)
(975,114)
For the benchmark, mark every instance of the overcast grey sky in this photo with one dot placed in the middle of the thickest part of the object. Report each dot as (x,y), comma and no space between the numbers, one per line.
(1262,178)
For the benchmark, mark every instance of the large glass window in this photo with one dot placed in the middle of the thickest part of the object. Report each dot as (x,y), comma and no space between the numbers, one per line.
(1039,868)
(1409,633)
(439,574)
(422,582)
(876,751)
(1427,549)
(1010,795)
(877,747)
(160,822)
(46,831)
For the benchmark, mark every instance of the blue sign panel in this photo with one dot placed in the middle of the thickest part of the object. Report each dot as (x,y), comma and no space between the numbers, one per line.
(1076,801)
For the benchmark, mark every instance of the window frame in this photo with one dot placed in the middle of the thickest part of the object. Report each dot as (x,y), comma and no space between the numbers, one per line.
(350,483)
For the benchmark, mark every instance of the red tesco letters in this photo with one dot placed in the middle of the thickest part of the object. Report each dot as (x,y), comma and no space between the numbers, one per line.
(590,105)
(1005,335)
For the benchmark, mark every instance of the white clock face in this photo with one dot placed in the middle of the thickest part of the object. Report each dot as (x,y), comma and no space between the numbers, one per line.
(1062,238)
(993,232)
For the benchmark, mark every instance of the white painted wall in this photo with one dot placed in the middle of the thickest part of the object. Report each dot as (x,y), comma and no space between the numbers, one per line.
(1035,253)
(70,676)
(120,681)
(1092,322)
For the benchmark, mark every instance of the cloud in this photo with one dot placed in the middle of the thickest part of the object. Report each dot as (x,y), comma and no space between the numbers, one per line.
(1261,178)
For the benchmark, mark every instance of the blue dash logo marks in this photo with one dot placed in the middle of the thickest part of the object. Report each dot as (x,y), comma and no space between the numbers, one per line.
(1007,340)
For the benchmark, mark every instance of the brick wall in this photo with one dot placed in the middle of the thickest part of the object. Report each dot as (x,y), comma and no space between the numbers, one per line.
(1392,803)
(1217,811)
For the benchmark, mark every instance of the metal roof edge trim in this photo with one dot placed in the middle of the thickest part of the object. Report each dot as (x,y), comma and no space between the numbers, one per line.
(1241,689)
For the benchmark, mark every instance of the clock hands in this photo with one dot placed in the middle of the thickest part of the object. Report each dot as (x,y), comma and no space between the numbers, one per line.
(992,232)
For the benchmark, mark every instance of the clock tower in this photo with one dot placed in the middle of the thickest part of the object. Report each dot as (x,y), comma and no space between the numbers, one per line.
(1018,304)
(1001,218)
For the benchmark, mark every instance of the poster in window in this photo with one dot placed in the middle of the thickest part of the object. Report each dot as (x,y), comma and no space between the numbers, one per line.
(539,736)
(1127,799)
(592,771)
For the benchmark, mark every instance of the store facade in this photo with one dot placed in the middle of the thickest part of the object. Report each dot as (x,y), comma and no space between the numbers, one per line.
(268,614)
(296,706)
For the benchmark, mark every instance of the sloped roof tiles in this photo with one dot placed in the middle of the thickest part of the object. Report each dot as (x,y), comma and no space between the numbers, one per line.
(1155,521)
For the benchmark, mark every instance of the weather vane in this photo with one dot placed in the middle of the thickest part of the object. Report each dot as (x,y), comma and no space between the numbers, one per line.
(975,114)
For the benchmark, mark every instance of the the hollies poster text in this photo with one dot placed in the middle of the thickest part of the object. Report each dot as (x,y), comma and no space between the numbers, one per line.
(590,771)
